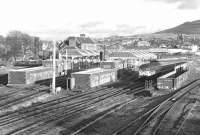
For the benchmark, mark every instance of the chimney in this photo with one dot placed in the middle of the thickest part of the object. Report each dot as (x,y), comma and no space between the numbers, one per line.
(82,35)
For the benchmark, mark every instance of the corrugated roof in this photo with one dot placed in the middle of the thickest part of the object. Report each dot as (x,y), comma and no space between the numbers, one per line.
(85,52)
(139,54)
(73,52)
(122,54)
(94,53)
(76,52)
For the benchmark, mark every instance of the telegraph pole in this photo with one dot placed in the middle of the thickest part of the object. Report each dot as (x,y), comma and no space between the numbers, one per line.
(54,68)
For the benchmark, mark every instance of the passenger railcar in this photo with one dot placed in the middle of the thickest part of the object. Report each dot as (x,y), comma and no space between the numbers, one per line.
(152,69)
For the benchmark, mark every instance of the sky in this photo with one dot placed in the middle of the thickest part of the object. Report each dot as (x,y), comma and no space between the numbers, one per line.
(58,19)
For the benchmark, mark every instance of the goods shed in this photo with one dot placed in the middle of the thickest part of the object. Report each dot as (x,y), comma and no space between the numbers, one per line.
(172,80)
(29,75)
(94,77)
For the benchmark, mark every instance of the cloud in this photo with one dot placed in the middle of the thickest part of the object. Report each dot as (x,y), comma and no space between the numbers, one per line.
(122,29)
(127,29)
(91,29)
(51,33)
(90,24)
(183,4)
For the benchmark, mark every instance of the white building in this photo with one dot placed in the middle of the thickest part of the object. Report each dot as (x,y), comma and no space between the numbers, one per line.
(194,48)
(143,43)
(82,42)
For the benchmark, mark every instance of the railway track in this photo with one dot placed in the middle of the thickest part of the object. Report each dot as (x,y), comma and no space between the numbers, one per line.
(17,97)
(63,112)
(45,115)
(60,81)
(42,108)
(137,125)
(179,129)
(164,120)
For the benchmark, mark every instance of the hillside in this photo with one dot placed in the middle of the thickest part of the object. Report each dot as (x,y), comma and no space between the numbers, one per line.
(185,28)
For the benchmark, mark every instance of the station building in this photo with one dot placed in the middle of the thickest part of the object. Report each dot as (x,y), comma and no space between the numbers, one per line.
(79,58)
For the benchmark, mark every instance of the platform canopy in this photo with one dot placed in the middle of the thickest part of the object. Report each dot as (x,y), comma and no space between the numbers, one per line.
(122,54)
(133,54)
(72,51)
(143,54)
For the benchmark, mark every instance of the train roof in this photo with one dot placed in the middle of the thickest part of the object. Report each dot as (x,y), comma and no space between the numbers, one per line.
(157,65)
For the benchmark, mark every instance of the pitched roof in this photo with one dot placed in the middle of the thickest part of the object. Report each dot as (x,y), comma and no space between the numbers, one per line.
(86,40)
(139,54)
(76,52)
(122,54)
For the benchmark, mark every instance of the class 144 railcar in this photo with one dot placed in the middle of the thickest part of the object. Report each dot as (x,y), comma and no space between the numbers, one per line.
(154,68)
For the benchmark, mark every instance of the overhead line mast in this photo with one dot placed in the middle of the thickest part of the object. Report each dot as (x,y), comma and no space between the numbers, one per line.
(54,68)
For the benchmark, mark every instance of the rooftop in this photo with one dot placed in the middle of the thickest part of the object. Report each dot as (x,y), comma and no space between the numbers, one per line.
(76,52)
(91,71)
(173,74)
(85,40)
(29,69)
(138,54)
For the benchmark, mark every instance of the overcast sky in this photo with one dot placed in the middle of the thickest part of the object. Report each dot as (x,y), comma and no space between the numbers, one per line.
(57,19)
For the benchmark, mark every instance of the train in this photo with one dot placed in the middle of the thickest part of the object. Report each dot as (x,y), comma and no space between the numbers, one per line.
(155,68)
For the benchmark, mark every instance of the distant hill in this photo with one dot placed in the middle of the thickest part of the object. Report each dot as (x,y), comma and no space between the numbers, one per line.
(185,28)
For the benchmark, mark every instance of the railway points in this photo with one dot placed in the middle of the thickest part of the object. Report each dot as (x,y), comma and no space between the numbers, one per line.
(78,112)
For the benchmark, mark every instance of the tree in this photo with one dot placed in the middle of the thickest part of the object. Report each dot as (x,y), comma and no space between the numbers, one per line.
(19,43)
(15,46)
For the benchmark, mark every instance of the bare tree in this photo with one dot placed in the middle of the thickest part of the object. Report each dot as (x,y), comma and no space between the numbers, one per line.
(18,43)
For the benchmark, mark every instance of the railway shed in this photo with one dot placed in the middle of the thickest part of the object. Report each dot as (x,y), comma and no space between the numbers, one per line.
(29,75)
(93,77)
(172,80)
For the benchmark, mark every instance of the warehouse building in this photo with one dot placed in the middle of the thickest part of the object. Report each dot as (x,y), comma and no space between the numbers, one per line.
(92,78)
(29,75)
(172,80)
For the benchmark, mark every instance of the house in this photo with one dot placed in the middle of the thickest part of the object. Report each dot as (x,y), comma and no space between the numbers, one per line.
(143,43)
(194,48)
(82,42)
